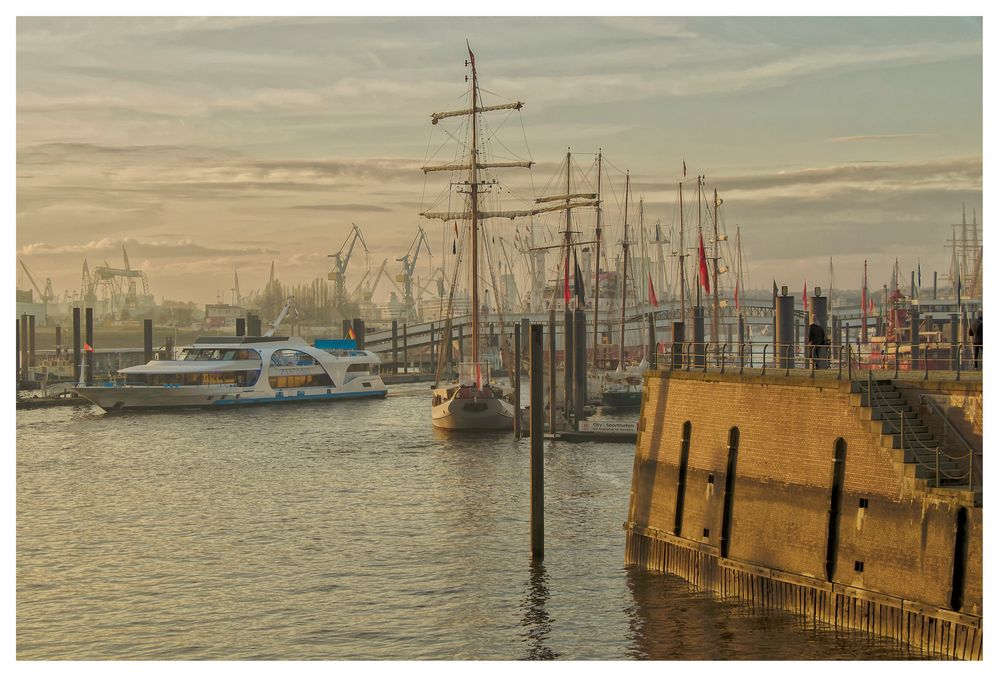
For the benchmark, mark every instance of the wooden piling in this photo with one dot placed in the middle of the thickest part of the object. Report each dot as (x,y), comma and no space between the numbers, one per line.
(89,356)
(537,441)
(516,381)
(17,342)
(395,343)
(31,347)
(579,368)
(76,345)
(147,340)
(568,334)
(405,347)
(551,372)
(240,326)
(23,374)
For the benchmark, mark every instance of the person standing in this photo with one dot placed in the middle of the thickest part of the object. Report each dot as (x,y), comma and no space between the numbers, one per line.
(816,339)
(976,339)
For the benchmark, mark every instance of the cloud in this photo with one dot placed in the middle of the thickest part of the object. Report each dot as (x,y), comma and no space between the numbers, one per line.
(182,248)
(346,207)
(879,137)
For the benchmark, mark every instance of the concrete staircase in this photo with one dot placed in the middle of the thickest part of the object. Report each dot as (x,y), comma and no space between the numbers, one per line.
(905,436)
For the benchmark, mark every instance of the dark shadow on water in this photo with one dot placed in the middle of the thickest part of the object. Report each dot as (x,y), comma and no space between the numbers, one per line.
(536,622)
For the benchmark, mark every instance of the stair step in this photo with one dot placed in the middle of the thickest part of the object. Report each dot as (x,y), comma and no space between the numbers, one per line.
(922,441)
(890,427)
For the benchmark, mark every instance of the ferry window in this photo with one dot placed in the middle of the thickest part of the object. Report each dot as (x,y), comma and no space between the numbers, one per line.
(358,367)
(287,357)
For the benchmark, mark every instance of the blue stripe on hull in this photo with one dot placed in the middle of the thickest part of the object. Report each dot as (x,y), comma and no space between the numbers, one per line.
(302,398)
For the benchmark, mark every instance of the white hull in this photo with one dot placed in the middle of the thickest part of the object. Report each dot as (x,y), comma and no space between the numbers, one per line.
(118,398)
(480,413)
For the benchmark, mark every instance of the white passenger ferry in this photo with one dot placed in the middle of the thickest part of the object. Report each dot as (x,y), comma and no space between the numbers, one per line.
(220,371)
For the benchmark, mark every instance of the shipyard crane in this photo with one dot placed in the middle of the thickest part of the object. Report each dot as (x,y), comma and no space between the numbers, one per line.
(406,276)
(112,281)
(237,299)
(338,274)
(288,305)
(45,295)
(366,287)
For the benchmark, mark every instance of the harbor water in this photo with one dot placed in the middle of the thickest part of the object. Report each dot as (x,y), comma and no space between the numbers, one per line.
(349,531)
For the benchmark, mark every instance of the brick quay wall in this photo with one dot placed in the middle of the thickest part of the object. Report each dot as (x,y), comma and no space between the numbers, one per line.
(777,489)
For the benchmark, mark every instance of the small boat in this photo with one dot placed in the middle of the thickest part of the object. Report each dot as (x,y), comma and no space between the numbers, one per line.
(232,371)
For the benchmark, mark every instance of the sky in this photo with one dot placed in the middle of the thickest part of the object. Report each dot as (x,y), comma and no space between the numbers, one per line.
(213,145)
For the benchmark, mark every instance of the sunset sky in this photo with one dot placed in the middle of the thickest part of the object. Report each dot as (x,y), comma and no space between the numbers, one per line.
(209,145)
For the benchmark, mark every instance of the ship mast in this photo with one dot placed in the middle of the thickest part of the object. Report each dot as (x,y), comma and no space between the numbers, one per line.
(714,280)
(473,174)
(596,279)
(624,276)
(683,281)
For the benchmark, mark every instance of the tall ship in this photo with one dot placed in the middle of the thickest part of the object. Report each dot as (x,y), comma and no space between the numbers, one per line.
(234,371)
(473,401)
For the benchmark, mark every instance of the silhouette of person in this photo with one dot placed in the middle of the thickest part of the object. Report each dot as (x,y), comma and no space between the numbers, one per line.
(816,339)
(976,336)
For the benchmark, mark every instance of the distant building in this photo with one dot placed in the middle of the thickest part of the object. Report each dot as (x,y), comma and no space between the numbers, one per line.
(219,315)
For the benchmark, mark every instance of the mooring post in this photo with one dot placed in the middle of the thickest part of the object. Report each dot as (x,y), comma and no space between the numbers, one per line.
(652,340)
(538,441)
(17,342)
(58,338)
(551,372)
(579,368)
(785,329)
(953,341)
(516,381)
(31,345)
(76,345)
(676,359)
(240,326)
(345,325)
(395,344)
(433,351)
(568,334)
(23,374)
(405,348)
(699,345)
(147,340)
(742,343)
(89,357)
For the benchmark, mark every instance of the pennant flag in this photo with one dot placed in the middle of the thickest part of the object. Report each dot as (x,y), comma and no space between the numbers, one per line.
(919,274)
(87,347)
(350,333)
(577,278)
(703,272)
(652,293)
(870,307)
(565,280)
(737,296)
(684,167)
(775,294)
(804,295)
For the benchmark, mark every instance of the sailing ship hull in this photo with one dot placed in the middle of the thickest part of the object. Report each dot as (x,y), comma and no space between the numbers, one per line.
(471,413)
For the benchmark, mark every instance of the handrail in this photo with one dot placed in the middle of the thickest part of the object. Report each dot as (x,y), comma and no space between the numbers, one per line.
(926,399)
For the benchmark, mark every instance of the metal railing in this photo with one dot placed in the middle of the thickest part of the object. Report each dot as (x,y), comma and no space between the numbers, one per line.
(945,361)
(918,448)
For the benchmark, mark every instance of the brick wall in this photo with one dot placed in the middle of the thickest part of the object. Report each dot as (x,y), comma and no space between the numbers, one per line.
(788,429)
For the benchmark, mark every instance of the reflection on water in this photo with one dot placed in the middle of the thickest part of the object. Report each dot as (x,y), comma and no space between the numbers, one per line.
(537,622)
(347,531)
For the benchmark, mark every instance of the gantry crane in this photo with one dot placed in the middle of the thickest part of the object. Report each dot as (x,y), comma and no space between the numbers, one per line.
(340,260)
(406,276)
(45,295)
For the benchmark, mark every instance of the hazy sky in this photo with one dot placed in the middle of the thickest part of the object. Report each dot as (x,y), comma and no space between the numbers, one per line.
(214,144)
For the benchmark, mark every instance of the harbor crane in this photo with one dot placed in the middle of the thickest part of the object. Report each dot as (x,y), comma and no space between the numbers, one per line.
(406,276)
(338,274)
(118,285)
(45,295)
(366,287)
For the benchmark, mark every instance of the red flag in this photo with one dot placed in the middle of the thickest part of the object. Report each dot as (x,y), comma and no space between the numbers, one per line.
(652,293)
(87,347)
(565,280)
(737,295)
(705,282)
(804,295)
(870,307)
